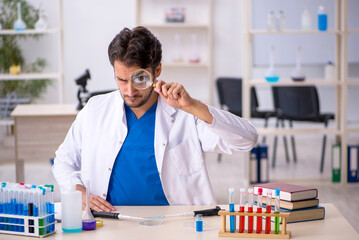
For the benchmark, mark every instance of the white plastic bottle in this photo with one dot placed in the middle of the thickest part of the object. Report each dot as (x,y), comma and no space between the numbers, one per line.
(329,71)
(306,20)
(71,216)
(280,21)
(271,21)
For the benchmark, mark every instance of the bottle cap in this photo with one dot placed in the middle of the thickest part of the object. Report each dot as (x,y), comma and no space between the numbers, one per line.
(277,191)
(260,191)
(231,190)
(242,190)
(250,190)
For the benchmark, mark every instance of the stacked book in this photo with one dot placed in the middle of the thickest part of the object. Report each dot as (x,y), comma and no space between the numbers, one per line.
(302,203)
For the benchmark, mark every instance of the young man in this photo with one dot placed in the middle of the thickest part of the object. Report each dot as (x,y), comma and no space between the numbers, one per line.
(145,147)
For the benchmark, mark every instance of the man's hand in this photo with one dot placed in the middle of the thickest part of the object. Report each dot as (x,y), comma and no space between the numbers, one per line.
(96,202)
(176,96)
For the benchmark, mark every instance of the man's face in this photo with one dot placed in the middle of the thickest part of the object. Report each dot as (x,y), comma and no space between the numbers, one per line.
(133,98)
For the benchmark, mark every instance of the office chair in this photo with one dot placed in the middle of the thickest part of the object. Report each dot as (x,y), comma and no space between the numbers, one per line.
(300,103)
(230,98)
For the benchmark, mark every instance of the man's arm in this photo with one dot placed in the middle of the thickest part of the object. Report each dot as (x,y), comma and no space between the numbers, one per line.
(228,132)
(176,96)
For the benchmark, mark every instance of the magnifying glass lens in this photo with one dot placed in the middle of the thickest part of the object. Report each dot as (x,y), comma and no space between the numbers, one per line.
(141,79)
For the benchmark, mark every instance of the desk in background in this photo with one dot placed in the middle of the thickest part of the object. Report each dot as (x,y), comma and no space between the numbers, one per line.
(39,131)
(333,227)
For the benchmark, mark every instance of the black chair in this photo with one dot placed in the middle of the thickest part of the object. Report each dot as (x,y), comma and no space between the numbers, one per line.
(230,98)
(299,103)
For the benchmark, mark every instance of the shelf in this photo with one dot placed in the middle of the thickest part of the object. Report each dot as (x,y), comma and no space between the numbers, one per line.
(292,31)
(29,31)
(184,65)
(352,130)
(297,131)
(29,76)
(290,82)
(176,25)
(353,30)
(353,81)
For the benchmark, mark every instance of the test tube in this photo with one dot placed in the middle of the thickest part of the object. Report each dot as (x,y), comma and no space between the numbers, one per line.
(268,210)
(242,196)
(259,210)
(250,210)
(199,223)
(276,210)
(231,209)
(1,201)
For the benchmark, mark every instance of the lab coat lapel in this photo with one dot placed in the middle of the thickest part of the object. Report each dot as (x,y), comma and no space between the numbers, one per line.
(164,122)
(119,126)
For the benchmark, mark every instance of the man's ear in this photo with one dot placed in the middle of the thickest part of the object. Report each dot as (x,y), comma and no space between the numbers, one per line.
(158,70)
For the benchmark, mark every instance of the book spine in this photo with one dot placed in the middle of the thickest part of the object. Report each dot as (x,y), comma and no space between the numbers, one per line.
(254,165)
(263,162)
(353,162)
(336,162)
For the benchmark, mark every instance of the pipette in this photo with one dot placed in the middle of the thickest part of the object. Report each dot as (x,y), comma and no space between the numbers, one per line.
(114,215)
(206,212)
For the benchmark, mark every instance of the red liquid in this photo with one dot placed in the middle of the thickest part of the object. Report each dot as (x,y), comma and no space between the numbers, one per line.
(268,221)
(259,221)
(241,220)
(250,220)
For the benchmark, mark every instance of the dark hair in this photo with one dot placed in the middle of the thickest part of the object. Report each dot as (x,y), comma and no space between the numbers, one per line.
(136,47)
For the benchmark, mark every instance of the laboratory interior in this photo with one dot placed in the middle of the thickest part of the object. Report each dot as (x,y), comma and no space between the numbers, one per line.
(249,108)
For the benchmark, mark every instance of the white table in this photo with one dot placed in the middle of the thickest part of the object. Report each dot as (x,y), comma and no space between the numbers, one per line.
(334,226)
(39,131)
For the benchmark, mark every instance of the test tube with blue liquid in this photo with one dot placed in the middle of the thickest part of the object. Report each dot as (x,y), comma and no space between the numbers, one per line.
(231,209)
(199,223)
(276,210)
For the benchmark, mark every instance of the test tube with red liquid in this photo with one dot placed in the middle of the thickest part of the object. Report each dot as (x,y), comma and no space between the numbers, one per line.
(259,210)
(250,210)
(242,197)
(268,210)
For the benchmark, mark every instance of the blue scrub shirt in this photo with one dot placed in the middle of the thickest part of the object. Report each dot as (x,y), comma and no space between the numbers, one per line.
(135,179)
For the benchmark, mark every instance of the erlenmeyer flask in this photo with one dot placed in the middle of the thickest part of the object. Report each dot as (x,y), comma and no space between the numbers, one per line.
(88,221)
(19,24)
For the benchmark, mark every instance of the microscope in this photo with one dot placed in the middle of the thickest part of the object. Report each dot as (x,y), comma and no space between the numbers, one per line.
(82,93)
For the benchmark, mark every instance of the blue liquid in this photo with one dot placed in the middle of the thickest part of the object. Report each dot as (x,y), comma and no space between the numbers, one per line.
(232,219)
(272,79)
(199,226)
(72,230)
(322,22)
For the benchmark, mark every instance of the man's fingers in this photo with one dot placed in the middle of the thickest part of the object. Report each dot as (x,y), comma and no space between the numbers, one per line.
(107,204)
(98,205)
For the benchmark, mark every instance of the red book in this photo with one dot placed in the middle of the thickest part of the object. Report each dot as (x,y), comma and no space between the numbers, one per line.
(288,192)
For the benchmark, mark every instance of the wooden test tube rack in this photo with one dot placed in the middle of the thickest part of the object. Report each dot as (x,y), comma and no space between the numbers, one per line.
(284,234)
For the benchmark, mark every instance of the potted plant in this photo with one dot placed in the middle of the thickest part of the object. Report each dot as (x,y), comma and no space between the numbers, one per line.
(13,92)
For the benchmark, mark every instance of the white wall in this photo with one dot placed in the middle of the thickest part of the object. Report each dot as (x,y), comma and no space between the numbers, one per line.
(90,25)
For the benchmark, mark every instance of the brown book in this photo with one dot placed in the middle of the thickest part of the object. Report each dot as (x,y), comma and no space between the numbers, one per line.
(295,205)
(308,214)
(288,192)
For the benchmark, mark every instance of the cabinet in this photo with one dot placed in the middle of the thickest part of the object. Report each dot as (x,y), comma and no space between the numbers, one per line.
(56,46)
(180,40)
(340,84)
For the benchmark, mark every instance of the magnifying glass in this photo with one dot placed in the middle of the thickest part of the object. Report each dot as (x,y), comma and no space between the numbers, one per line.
(142,79)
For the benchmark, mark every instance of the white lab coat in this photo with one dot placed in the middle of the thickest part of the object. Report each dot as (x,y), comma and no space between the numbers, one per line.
(97,134)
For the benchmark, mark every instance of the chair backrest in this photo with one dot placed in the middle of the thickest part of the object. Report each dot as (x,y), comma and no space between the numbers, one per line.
(296,102)
(230,94)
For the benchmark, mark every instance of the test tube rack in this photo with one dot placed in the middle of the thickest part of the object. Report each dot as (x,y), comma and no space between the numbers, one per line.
(27,225)
(283,234)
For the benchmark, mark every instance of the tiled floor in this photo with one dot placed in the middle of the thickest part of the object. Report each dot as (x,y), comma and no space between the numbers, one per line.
(230,172)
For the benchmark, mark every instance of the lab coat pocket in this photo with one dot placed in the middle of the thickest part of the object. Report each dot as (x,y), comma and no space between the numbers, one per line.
(186,158)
